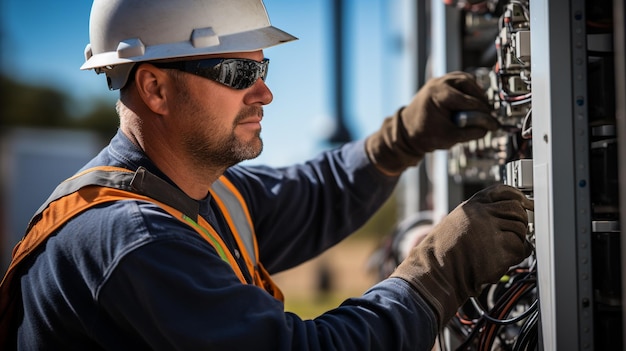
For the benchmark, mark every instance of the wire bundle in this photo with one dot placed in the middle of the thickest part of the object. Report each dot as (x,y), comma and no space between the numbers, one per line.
(509,322)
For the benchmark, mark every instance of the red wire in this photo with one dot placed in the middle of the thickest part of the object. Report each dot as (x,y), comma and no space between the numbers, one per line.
(503,313)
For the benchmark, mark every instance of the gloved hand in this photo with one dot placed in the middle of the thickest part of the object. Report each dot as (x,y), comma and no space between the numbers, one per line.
(426,123)
(473,245)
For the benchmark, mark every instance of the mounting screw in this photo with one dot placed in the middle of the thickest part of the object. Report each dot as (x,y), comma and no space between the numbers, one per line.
(578,15)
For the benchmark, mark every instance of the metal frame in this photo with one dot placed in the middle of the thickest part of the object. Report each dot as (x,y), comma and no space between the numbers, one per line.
(563,214)
(561,156)
(619,40)
(445,57)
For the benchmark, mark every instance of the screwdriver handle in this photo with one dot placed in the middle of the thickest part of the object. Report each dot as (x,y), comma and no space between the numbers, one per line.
(464,119)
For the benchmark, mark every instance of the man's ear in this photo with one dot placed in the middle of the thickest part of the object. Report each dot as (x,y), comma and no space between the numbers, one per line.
(153,85)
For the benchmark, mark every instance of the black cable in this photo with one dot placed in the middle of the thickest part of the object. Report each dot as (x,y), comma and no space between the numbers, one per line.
(528,333)
(517,290)
(485,315)
(478,331)
(442,347)
(527,125)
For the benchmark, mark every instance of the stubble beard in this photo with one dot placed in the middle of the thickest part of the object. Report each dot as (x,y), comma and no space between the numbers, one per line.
(206,147)
(227,150)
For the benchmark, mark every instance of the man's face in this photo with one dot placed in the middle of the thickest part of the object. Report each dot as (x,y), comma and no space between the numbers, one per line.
(218,125)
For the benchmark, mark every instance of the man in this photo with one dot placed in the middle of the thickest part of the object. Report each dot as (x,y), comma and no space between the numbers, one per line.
(163,242)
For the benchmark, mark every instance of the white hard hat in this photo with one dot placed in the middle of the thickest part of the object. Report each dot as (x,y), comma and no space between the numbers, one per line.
(123,32)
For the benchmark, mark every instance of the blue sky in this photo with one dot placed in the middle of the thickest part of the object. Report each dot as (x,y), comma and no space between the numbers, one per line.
(43,43)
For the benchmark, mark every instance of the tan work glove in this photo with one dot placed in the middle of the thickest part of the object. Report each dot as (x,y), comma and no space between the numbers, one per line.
(426,123)
(473,245)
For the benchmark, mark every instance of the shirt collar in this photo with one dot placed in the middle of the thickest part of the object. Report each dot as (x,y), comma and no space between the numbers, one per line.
(124,153)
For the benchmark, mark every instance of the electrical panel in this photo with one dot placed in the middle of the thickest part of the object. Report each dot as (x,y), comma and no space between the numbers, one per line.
(548,69)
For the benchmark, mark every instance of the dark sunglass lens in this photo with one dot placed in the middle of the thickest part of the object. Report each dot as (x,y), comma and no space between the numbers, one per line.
(248,73)
(234,73)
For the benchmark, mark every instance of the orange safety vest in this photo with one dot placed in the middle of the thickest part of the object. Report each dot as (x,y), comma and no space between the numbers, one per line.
(107,184)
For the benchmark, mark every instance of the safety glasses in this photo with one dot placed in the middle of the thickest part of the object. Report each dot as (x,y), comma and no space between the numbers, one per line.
(232,72)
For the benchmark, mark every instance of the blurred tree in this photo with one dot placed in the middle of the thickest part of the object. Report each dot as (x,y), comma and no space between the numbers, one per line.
(27,105)
(31,106)
(102,119)
(383,221)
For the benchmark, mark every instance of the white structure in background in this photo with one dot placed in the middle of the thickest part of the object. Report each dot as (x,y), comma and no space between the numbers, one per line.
(34,161)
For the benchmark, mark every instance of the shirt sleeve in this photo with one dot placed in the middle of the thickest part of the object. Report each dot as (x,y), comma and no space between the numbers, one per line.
(302,210)
(174,294)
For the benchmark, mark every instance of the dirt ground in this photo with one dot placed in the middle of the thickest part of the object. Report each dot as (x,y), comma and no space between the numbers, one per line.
(322,283)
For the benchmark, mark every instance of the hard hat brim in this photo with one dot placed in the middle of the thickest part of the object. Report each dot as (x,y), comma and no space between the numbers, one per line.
(253,40)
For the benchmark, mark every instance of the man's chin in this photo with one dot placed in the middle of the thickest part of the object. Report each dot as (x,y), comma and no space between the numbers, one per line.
(251,150)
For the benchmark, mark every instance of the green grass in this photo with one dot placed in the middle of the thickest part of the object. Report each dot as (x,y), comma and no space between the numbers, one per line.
(307,308)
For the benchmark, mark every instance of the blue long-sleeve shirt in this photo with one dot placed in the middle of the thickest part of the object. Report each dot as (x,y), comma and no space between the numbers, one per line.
(127,276)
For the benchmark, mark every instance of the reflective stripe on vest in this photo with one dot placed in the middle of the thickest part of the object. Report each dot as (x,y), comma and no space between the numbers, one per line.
(108,184)
(235,211)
